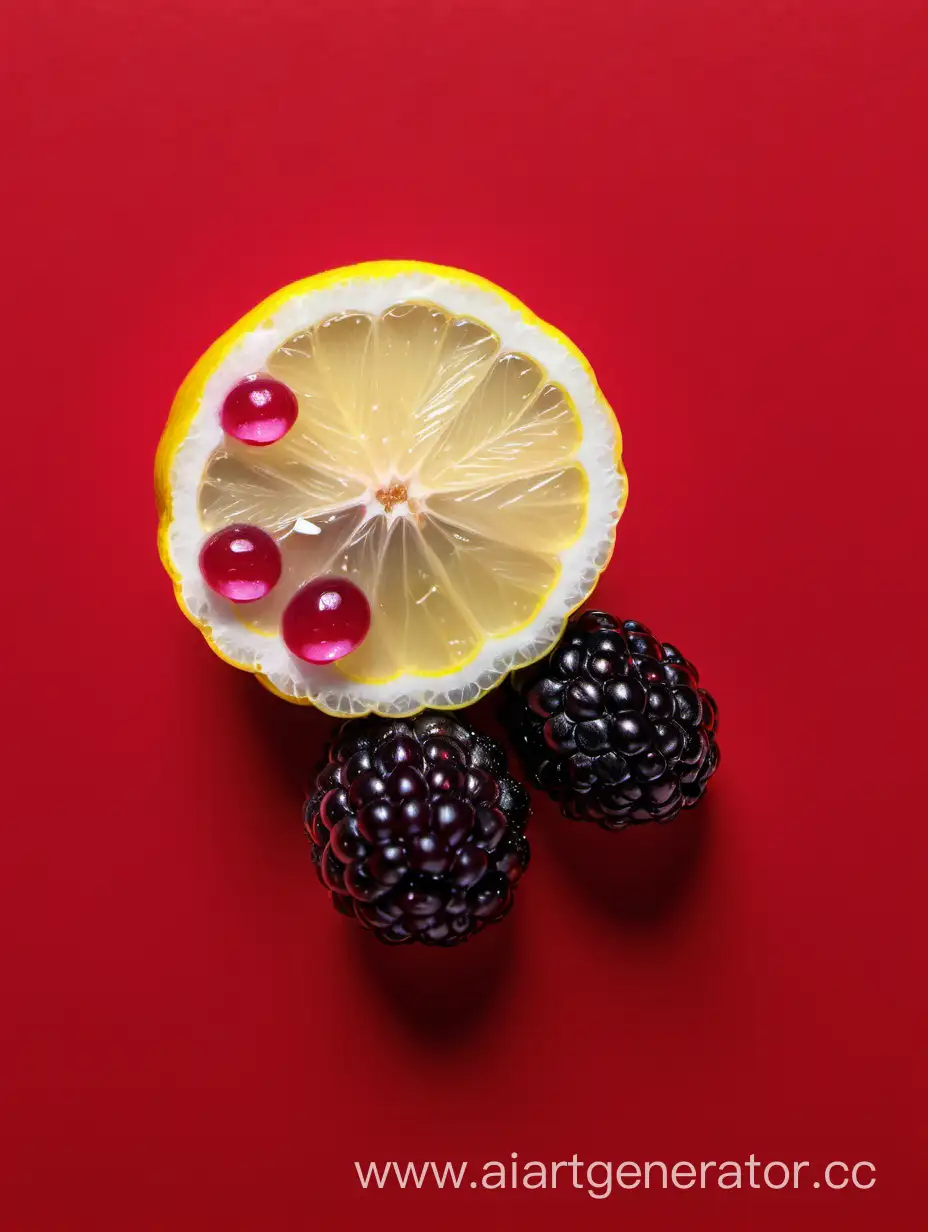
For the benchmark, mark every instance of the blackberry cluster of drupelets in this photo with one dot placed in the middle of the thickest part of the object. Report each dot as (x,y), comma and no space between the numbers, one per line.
(613,724)
(417,828)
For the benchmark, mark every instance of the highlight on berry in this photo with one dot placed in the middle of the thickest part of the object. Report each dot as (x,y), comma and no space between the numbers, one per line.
(417,829)
(614,725)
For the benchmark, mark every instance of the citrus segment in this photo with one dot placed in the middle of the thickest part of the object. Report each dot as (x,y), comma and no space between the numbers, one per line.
(360,559)
(547,431)
(467,354)
(419,614)
(543,512)
(406,356)
(495,405)
(325,434)
(497,583)
(270,491)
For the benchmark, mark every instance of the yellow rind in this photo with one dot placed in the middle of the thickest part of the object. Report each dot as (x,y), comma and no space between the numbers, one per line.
(187,401)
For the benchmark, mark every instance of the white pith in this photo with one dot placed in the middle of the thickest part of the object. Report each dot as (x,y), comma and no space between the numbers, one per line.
(581,562)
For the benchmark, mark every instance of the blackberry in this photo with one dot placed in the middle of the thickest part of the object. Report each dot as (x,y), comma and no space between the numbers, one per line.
(416,828)
(613,724)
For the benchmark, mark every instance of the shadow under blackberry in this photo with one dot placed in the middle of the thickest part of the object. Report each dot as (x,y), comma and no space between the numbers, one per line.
(638,876)
(438,995)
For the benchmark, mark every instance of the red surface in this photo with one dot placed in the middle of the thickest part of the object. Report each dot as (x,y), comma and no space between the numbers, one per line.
(724,204)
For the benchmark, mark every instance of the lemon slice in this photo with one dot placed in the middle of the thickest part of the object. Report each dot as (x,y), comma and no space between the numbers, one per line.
(452,455)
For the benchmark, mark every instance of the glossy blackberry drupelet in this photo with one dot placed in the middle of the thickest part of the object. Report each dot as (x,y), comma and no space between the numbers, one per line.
(417,829)
(613,724)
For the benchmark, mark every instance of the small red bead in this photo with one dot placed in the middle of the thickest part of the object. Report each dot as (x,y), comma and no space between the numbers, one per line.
(241,563)
(259,410)
(325,620)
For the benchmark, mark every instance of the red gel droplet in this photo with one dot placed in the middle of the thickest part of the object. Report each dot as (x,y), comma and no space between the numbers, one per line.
(325,620)
(259,410)
(241,563)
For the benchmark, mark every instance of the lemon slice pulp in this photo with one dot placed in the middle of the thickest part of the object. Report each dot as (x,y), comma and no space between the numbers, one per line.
(452,456)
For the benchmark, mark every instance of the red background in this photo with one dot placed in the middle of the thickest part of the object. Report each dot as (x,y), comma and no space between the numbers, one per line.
(724,205)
